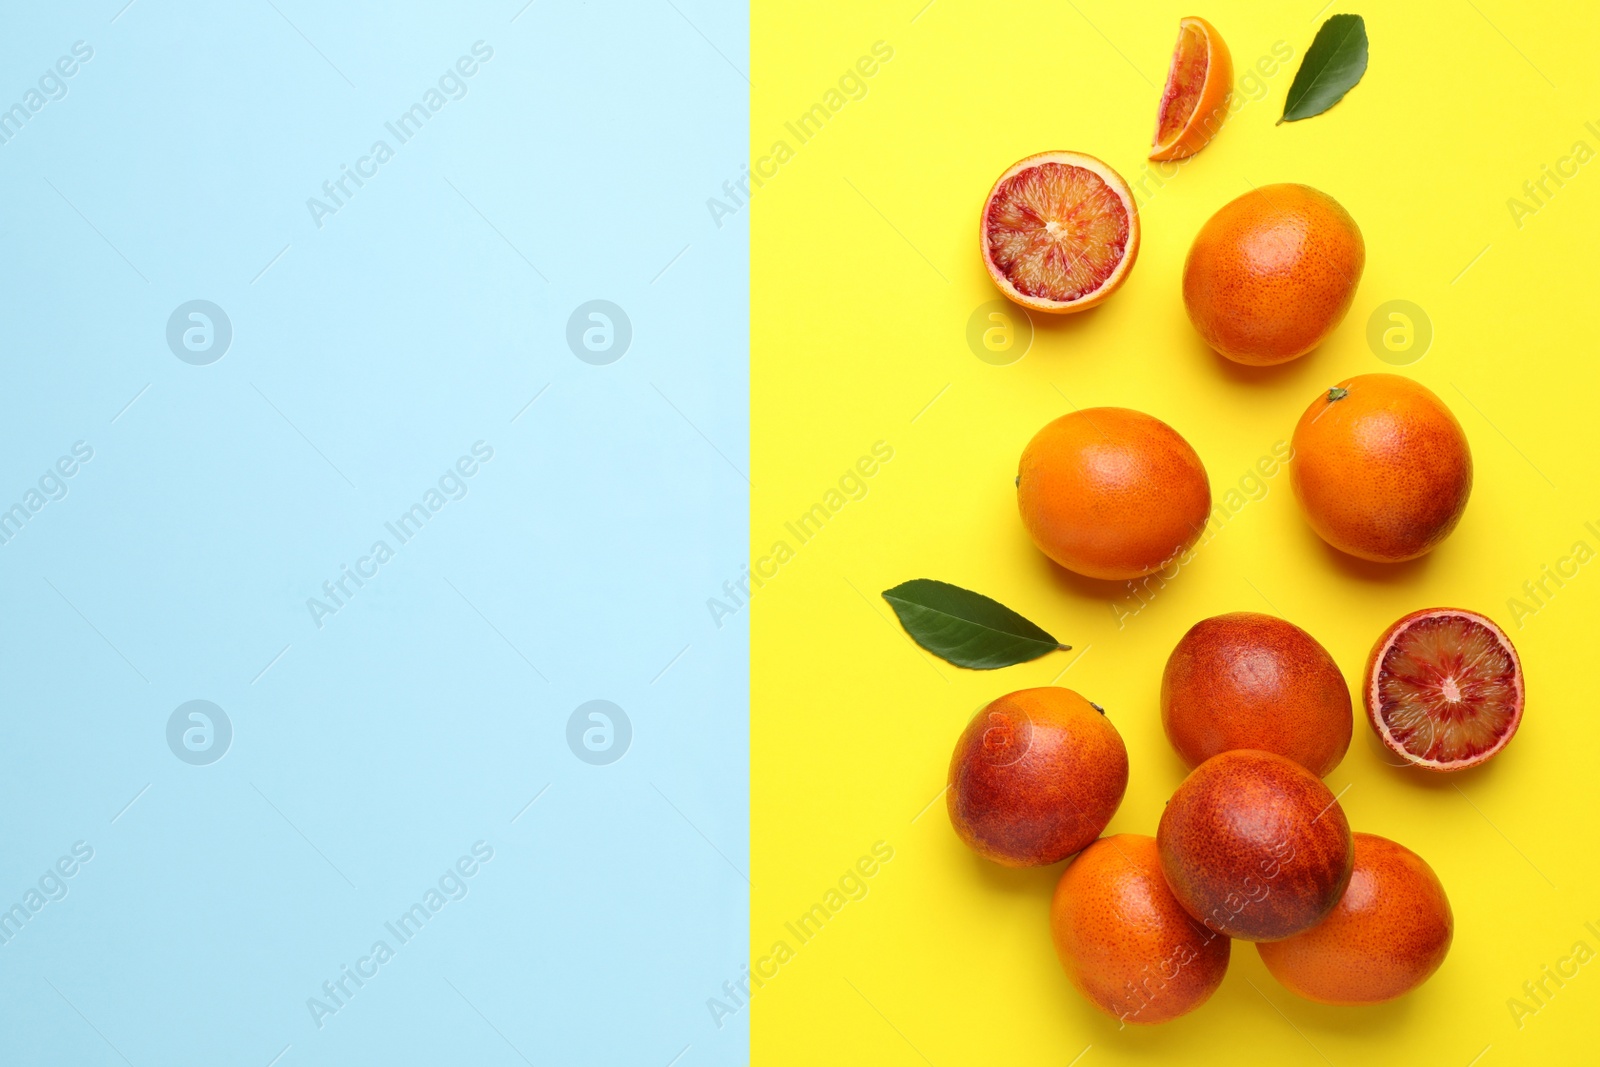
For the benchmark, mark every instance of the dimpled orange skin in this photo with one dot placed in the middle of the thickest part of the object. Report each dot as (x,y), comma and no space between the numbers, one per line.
(1112,493)
(1388,935)
(1248,680)
(1255,846)
(1035,777)
(1272,273)
(1381,468)
(1124,940)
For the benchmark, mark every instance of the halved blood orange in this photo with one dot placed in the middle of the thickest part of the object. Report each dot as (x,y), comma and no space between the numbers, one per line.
(1059,232)
(1195,101)
(1444,689)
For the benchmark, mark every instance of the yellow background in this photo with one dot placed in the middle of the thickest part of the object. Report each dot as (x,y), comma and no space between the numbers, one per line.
(865,272)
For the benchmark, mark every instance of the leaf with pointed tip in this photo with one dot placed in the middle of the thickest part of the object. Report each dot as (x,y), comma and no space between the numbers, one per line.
(1333,65)
(967,628)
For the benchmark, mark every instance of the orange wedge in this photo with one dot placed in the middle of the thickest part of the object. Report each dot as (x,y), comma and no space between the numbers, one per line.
(1195,101)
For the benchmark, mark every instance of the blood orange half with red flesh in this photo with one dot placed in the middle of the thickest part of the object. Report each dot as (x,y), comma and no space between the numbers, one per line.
(1059,232)
(1444,689)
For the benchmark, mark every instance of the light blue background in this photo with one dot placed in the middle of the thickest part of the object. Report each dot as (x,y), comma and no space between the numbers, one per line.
(366,359)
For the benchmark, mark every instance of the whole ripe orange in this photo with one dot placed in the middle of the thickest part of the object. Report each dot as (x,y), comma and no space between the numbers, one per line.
(1125,941)
(1381,468)
(1272,273)
(1035,777)
(1248,680)
(1390,932)
(1255,846)
(1112,493)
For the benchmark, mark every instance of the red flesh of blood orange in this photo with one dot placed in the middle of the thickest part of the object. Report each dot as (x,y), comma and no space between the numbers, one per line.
(1194,102)
(1184,81)
(1059,232)
(1444,689)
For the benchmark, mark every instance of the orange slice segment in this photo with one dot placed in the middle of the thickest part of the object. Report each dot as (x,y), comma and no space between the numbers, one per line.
(1195,101)
(1059,232)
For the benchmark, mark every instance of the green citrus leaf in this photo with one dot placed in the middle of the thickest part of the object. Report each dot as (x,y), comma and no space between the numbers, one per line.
(966,628)
(1333,65)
